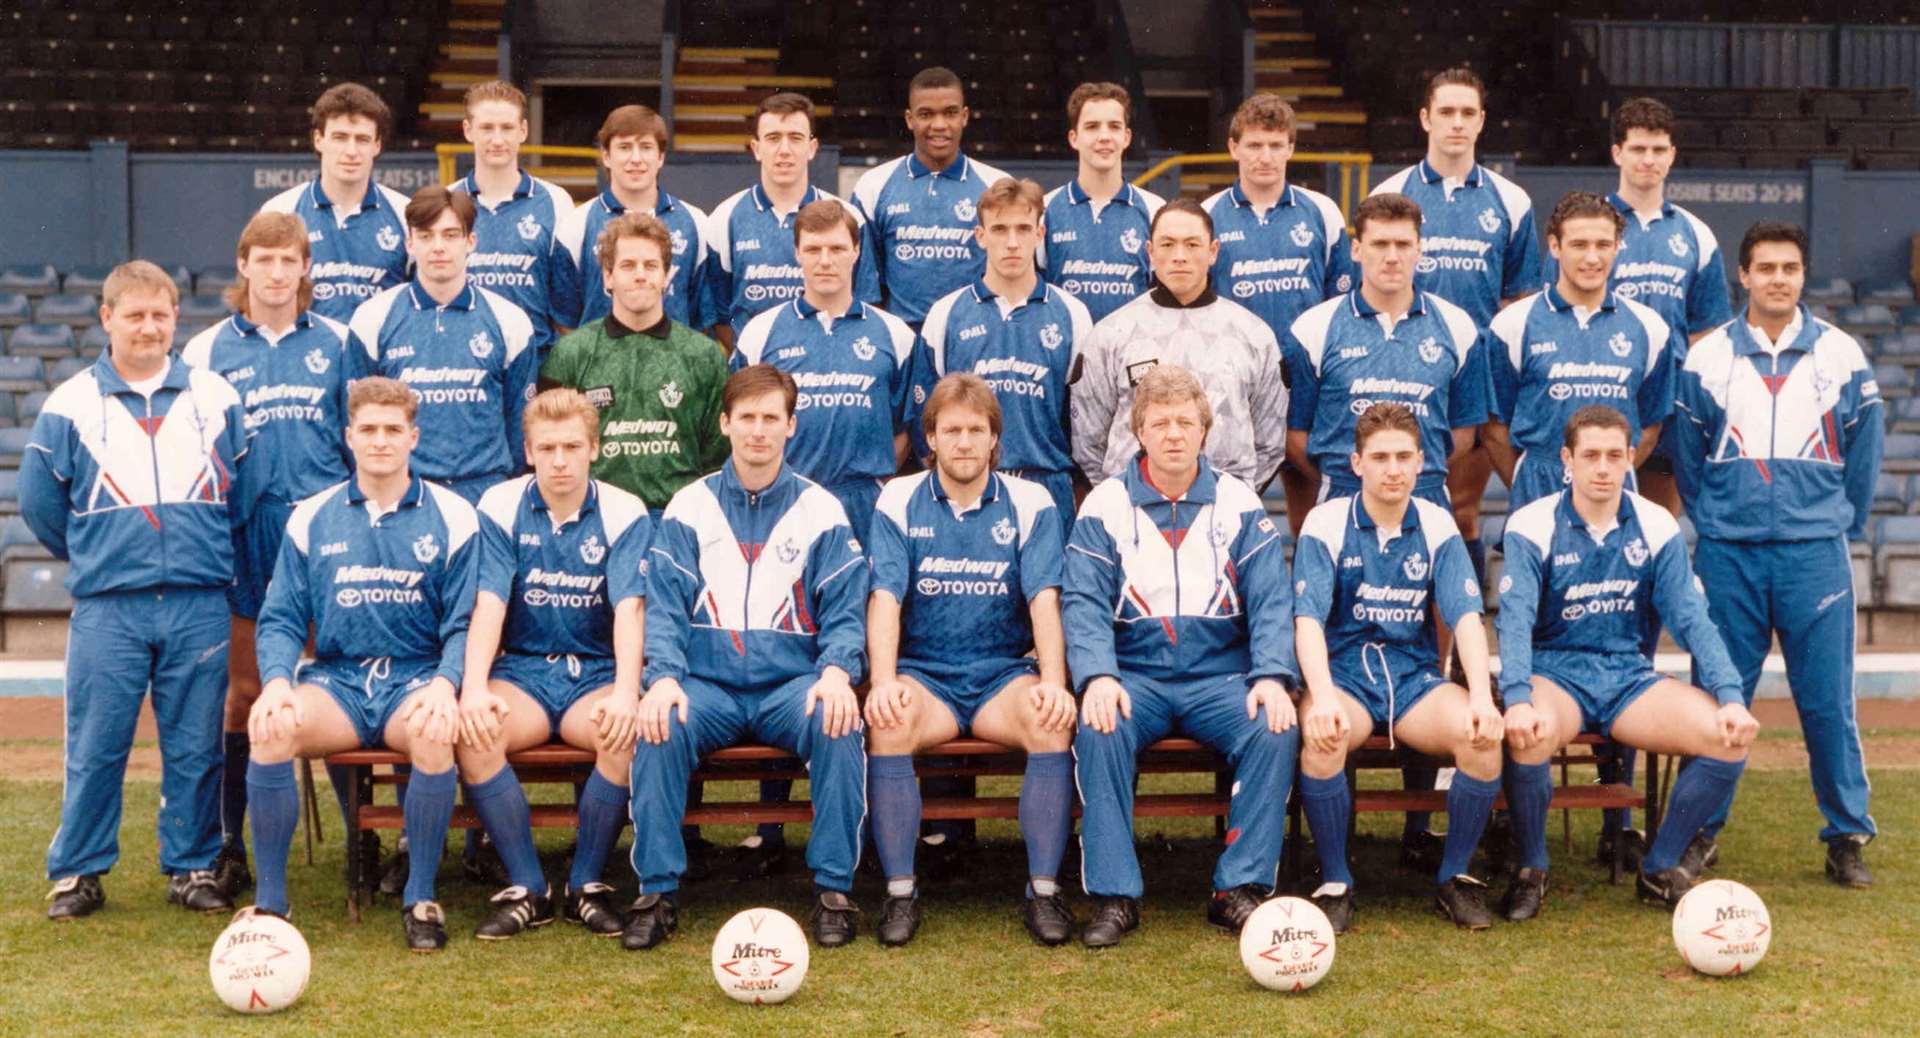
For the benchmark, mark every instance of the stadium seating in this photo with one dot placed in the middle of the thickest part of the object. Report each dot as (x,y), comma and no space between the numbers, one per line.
(67,308)
(1896,560)
(15,309)
(41,340)
(32,280)
(13,442)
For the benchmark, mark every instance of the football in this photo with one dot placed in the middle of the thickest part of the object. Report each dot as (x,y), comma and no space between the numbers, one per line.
(1287,944)
(760,956)
(260,964)
(1722,928)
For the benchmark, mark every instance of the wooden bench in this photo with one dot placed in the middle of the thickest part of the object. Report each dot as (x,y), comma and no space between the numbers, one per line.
(557,763)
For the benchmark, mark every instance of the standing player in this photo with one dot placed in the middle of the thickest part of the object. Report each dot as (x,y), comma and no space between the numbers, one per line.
(562,575)
(1478,249)
(129,475)
(1021,335)
(1372,571)
(964,549)
(462,348)
(1183,631)
(633,148)
(1777,442)
(850,359)
(1591,573)
(728,655)
(1182,322)
(383,568)
(291,367)
(517,212)
(751,266)
(354,226)
(1573,343)
(919,208)
(1096,224)
(655,381)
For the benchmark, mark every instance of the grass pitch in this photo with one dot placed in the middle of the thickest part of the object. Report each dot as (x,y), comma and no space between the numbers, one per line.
(1595,962)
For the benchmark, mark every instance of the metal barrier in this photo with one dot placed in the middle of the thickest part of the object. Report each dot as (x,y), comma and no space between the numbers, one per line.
(448,156)
(1356,171)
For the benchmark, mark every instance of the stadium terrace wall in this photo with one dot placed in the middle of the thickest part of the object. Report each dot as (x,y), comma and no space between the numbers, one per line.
(1745,54)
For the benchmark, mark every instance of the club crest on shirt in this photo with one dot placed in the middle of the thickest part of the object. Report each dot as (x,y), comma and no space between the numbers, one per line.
(528,227)
(679,241)
(1003,532)
(426,549)
(1506,584)
(1472,588)
(1220,536)
(670,395)
(1489,220)
(1050,336)
(787,551)
(480,345)
(1301,236)
(1415,567)
(1678,243)
(387,238)
(1430,350)
(964,210)
(863,348)
(1821,380)
(1620,344)
(1130,241)
(1636,552)
(318,363)
(592,551)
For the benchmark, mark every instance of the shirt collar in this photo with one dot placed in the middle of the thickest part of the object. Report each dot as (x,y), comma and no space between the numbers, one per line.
(245,327)
(1432,176)
(981,293)
(730,480)
(662,202)
(369,200)
(108,376)
(1363,519)
(466,300)
(416,489)
(987,496)
(763,202)
(1362,308)
(1558,303)
(1572,518)
(524,189)
(617,329)
(588,504)
(956,170)
(1163,297)
(1626,210)
(1239,196)
(808,311)
(1799,334)
(1078,195)
(1141,489)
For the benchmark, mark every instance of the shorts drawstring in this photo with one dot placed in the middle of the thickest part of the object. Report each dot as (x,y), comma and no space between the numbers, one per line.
(378,667)
(573,662)
(1386,672)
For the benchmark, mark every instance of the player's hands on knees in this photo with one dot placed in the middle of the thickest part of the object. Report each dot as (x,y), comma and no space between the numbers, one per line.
(1525,726)
(1272,695)
(1324,724)
(1104,704)
(888,703)
(1484,725)
(276,715)
(616,720)
(839,708)
(1053,706)
(1738,726)
(434,714)
(481,713)
(657,708)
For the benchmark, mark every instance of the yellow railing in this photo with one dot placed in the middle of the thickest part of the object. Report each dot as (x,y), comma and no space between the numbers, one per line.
(1356,169)
(448,155)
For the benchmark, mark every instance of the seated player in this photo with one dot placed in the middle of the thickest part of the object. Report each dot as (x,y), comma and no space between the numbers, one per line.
(966,591)
(1370,572)
(1591,573)
(754,588)
(561,580)
(1177,611)
(383,567)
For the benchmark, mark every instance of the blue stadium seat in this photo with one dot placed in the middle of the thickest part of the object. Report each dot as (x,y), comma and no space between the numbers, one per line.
(1896,558)
(31,278)
(41,340)
(15,309)
(1890,494)
(15,535)
(1905,414)
(29,406)
(213,282)
(1909,317)
(10,491)
(1900,344)
(67,308)
(1903,453)
(67,367)
(1893,293)
(88,279)
(202,311)
(182,279)
(1830,292)
(1867,318)
(1492,528)
(1894,380)
(93,341)
(21,374)
(36,586)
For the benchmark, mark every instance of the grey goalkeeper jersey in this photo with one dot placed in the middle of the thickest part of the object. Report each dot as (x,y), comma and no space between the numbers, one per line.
(1232,352)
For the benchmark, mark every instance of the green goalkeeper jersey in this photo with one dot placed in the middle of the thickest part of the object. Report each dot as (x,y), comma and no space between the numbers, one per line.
(658,391)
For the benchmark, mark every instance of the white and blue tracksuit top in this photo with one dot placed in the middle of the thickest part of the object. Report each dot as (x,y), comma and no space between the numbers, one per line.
(1285,260)
(357,252)
(919,229)
(1477,239)
(1343,356)
(1098,251)
(515,256)
(1551,358)
(138,492)
(750,589)
(579,289)
(855,376)
(751,266)
(560,581)
(1576,602)
(1670,264)
(1777,446)
(1370,586)
(1024,349)
(964,578)
(294,390)
(396,585)
(1177,590)
(472,365)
